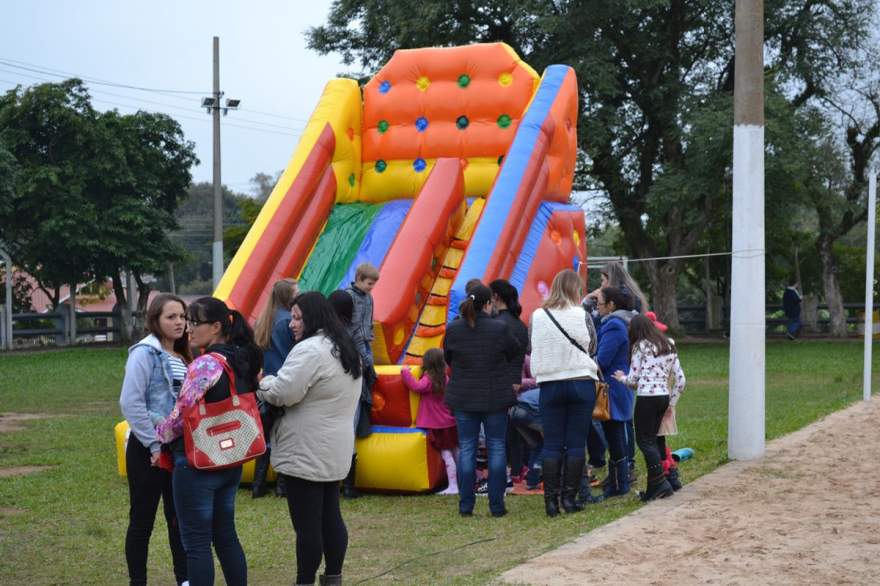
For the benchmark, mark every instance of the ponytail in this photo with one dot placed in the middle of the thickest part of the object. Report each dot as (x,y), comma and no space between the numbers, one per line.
(476,300)
(508,294)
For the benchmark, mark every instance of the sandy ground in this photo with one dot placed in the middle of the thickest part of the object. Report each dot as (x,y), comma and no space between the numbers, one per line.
(806,513)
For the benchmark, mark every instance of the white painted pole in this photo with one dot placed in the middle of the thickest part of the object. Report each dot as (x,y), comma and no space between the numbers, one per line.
(869,285)
(745,439)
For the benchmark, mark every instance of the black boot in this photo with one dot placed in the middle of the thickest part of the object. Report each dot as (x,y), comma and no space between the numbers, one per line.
(550,470)
(585,494)
(618,479)
(658,486)
(674,480)
(325,580)
(280,487)
(574,472)
(348,489)
(261,466)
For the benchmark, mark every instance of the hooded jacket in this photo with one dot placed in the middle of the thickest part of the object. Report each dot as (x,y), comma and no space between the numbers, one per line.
(147,394)
(613,355)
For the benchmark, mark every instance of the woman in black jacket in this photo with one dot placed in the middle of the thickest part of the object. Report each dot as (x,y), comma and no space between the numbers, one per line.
(478,349)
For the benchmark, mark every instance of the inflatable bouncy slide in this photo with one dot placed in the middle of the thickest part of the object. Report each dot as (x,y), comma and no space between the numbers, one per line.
(449,164)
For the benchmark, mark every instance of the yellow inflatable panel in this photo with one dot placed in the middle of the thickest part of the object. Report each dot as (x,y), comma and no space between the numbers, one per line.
(479,175)
(433,315)
(121,432)
(453,257)
(420,345)
(470,221)
(397,459)
(441,286)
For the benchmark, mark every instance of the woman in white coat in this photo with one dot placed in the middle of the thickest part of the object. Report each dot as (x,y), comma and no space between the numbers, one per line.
(318,386)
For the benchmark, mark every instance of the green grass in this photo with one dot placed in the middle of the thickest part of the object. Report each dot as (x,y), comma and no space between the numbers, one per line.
(66,525)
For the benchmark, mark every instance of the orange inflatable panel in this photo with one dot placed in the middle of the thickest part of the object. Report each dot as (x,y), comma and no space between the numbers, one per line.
(414,259)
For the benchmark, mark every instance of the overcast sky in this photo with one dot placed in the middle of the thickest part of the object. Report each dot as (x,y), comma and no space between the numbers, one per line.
(167,45)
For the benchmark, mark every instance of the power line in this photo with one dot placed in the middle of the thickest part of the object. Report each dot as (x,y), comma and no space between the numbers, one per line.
(170,93)
(60,73)
(153,102)
(282,130)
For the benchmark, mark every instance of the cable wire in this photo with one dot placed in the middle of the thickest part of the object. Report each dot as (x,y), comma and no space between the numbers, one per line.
(409,561)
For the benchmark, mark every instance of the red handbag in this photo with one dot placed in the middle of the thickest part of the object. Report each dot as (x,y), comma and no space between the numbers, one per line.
(224,434)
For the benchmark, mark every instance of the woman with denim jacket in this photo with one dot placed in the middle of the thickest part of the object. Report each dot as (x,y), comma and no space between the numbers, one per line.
(205,500)
(154,373)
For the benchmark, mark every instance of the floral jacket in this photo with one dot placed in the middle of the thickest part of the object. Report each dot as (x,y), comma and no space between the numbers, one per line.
(202,374)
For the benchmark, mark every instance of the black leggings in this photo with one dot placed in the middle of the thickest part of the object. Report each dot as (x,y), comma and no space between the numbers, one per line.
(146,485)
(320,530)
(648,415)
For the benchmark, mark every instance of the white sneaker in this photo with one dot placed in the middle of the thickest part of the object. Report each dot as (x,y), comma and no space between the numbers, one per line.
(451,489)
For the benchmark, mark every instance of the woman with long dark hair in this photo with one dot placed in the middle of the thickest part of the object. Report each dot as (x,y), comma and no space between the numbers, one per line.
(654,361)
(154,373)
(478,349)
(613,355)
(318,385)
(561,363)
(205,500)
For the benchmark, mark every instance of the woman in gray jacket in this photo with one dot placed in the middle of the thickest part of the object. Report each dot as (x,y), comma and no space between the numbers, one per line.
(318,385)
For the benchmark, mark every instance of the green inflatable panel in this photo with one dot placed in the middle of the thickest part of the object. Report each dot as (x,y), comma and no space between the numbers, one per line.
(337,246)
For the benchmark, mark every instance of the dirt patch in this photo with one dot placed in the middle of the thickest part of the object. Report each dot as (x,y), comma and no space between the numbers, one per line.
(10,511)
(22,470)
(806,513)
(12,421)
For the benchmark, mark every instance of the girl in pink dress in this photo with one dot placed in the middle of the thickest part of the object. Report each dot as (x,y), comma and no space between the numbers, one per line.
(434,415)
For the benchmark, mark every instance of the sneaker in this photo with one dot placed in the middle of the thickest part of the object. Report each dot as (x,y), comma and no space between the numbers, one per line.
(509,488)
(482,488)
(789,336)
(500,513)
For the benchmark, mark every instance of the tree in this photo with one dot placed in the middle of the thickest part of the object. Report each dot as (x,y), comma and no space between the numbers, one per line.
(95,193)
(143,175)
(649,71)
(46,218)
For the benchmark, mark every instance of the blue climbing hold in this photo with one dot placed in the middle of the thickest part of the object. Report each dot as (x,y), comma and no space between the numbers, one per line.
(421,123)
(384,87)
(419,165)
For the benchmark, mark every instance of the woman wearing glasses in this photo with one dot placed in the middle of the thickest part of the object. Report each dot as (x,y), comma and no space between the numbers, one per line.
(205,500)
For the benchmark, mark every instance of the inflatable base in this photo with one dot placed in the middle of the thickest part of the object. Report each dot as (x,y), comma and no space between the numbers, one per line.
(398,459)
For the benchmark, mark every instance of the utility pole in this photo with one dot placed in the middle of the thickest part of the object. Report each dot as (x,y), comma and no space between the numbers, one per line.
(217,249)
(745,436)
(869,284)
(214,107)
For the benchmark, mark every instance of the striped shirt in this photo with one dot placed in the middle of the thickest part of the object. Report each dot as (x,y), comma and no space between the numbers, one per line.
(178,372)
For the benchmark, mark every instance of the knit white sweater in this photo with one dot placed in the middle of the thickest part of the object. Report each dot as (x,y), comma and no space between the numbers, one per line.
(553,356)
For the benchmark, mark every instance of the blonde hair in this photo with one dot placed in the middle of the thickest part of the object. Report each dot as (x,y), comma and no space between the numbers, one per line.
(565,290)
(619,277)
(366,271)
(283,292)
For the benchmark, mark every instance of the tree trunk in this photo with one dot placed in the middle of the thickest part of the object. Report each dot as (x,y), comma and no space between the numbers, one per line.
(122,307)
(833,297)
(664,281)
(140,317)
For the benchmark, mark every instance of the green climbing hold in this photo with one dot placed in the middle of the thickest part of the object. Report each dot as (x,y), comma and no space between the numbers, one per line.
(382,126)
(462,122)
(504,121)
(381,166)
(351,179)
(464,80)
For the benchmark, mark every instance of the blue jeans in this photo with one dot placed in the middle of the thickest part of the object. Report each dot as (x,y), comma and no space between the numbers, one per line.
(205,504)
(793,325)
(495,426)
(566,412)
(615,435)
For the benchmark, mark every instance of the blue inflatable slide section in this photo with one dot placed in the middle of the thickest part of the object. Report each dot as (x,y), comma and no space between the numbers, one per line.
(500,201)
